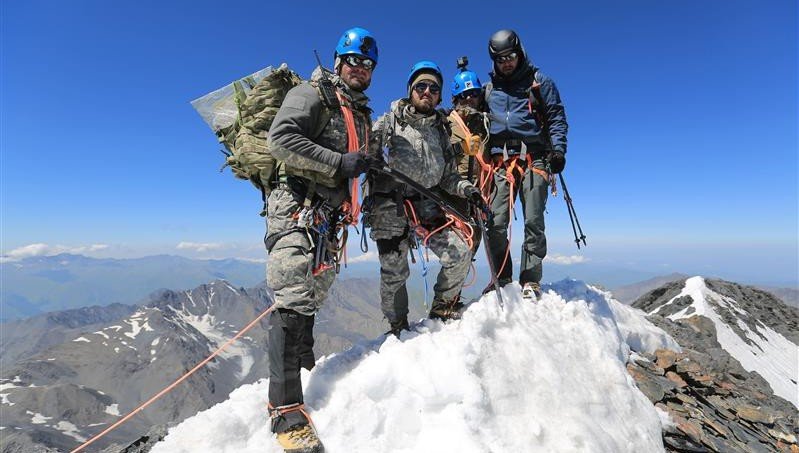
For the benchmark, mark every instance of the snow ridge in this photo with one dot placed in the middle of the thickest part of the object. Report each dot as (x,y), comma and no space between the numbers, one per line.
(547,376)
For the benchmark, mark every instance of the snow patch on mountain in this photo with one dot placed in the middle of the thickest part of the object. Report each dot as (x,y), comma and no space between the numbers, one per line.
(546,376)
(137,325)
(763,350)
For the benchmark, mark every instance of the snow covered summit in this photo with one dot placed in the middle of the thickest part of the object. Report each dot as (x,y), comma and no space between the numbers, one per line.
(750,325)
(546,376)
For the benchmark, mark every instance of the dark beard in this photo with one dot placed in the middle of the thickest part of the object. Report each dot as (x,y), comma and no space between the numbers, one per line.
(357,85)
(423,109)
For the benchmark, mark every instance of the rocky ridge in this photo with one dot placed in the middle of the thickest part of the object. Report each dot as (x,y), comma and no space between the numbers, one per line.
(711,402)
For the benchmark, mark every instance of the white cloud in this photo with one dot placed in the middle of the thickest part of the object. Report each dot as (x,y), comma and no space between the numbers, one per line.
(566,260)
(199,247)
(368,257)
(41,249)
(251,260)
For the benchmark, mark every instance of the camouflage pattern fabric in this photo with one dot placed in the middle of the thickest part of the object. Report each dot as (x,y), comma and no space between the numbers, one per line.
(292,140)
(289,271)
(418,145)
(454,255)
(468,166)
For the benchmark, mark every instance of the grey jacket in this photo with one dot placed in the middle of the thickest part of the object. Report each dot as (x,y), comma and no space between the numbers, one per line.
(309,138)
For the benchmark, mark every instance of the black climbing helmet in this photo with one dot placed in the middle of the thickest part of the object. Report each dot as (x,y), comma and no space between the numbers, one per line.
(504,42)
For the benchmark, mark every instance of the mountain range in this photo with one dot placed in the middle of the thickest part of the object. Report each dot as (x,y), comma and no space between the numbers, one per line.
(732,338)
(66,375)
(38,285)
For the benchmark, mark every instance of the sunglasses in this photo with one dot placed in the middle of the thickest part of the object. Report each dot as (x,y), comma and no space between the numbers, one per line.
(468,94)
(505,58)
(421,87)
(356,62)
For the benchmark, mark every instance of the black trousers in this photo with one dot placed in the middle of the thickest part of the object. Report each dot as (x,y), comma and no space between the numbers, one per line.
(290,348)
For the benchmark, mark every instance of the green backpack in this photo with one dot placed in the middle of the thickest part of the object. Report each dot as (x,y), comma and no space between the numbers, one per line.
(256,99)
(241,113)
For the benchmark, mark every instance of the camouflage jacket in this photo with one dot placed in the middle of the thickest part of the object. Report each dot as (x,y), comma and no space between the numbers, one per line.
(417,146)
(476,122)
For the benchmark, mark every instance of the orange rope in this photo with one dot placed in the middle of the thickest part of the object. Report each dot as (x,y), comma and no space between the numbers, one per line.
(353,146)
(175,384)
(486,172)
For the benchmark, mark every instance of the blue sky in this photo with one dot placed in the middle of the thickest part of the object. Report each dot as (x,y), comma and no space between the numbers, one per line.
(683,120)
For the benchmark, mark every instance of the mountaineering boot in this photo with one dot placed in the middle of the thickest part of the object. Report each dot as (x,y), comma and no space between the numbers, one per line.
(397,327)
(445,311)
(531,290)
(300,439)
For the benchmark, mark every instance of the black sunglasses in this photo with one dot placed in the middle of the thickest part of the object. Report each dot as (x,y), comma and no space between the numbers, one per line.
(469,94)
(508,57)
(355,62)
(421,87)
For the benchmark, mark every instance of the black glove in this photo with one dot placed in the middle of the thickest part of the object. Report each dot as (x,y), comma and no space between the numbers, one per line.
(474,197)
(353,165)
(375,161)
(557,161)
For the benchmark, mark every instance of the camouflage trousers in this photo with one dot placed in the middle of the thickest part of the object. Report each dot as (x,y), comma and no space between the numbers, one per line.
(532,188)
(391,232)
(298,296)
(289,271)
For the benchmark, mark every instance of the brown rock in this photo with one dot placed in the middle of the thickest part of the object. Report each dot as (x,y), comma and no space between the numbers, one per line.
(790,438)
(717,427)
(686,399)
(650,366)
(685,366)
(666,358)
(674,377)
(703,379)
(691,428)
(754,414)
(758,395)
(676,408)
(727,385)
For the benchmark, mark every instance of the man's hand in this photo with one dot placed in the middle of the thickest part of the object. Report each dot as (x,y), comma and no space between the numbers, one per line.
(474,197)
(353,165)
(375,161)
(557,161)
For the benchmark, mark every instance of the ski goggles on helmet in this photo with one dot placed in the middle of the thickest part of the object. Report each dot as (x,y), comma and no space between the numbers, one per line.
(421,87)
(359,62)
(507,57)
(469,94)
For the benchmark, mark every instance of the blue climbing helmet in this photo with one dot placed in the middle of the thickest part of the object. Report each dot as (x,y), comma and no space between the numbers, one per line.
(424,66)
(357,41)
(465,80)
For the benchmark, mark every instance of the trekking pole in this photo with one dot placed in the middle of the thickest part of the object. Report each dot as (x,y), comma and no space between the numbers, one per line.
(489,257)
(572,213)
